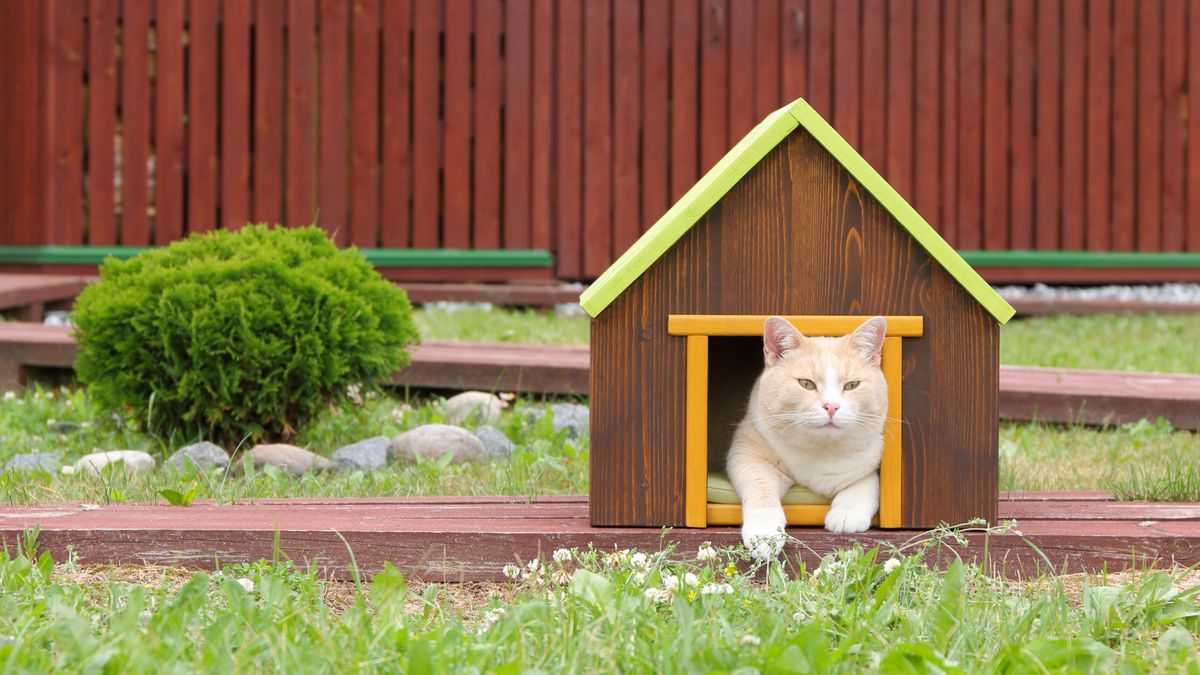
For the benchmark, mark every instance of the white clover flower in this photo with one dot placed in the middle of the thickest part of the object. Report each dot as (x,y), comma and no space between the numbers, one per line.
(639,561)
(512,571)
(561,577)
(706,552)
(670,581)
(246,584)
(491,618)
(49,394)
(8,395)
(562,555)
(533,565)
(711,589)
(656,595)
(752,640)
(639,578)
(891,565)
(799,615)
(617,558)
(691,580)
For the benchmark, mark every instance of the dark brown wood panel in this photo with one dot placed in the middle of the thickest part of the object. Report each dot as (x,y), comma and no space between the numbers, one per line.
(970,125)
(66,48)
(1193,130)
(1074,112)
(714,81)
(847,71)
(1099,125)
(743,77)
(102,121)
(796,208)
(427,123)
(456,143)
(768,62)
(332,142)
(269,54)
(203,58)
(235,113)
(597,137)
(169,125)
(1150,113)
(489,73)
(947,223)
(518,90)
(627,112)
(818,24)
(542,146)
(394,174)
(300,189)
(928,132)
(364,131)
(793,27)
(1023,136)
(1124,125)
(685,151)
(995,124)
(656,130)
(568,166)
(1175,116)
(1048,187)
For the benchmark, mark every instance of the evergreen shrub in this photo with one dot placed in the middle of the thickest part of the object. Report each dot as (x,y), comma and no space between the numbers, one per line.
(233,336)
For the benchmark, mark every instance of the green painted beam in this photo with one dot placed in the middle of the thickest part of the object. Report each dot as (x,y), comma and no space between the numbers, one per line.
(1081,259)
(380,257)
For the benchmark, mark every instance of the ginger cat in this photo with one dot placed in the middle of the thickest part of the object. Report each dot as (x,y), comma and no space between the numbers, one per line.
(815,417)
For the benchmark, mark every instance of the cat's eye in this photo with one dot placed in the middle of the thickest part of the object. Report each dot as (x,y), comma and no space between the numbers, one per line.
(851,385)
(807,384)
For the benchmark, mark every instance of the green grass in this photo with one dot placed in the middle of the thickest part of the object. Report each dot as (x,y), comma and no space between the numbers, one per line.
(592,613)
(474,324)
(1164,344)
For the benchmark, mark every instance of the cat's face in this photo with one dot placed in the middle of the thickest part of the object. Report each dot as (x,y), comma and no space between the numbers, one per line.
(822,386)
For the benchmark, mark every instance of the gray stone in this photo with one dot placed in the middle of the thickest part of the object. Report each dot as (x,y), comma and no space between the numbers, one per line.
(35,461)
(63,427)
(570,416)
(294,460)
(135,461)
(497,444)
(203,455)
(434,440)
(484,406)
(367,455)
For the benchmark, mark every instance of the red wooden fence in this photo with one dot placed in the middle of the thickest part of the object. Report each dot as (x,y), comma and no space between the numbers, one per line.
(571,125)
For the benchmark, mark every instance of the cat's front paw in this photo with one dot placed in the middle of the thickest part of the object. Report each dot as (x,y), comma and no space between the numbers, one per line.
(841,519)
(763,532)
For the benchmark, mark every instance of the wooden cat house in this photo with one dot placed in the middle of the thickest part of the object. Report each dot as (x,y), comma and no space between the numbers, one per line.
(792,222)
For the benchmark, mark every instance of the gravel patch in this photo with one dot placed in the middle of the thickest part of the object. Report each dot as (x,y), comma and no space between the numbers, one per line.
(1166,293)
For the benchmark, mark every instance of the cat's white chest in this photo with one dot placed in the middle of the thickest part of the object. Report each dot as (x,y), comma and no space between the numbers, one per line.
(826,466)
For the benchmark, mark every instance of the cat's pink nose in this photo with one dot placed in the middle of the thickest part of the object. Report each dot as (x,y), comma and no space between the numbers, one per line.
(830,408)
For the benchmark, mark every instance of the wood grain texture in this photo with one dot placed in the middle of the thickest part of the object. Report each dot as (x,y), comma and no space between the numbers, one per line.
(235,113)
(394,172)
(169,124)
(568,166)
(364,130)
(300,187)
(270,17)
(1099,125)
(797,207)
(203,58)
(1048,187)
(102,121)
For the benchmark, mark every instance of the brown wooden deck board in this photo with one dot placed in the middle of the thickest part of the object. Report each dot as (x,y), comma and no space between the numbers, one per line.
(471,538)
(29,294)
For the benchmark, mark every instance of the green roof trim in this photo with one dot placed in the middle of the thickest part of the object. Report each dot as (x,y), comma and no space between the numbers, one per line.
(736,164)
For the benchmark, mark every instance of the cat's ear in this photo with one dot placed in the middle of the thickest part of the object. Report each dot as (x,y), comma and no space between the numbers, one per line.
(867,339)
(779,338)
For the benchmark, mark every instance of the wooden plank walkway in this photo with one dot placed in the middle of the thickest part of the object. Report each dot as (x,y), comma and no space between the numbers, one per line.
(1026,393)
(471,538)
(27,295)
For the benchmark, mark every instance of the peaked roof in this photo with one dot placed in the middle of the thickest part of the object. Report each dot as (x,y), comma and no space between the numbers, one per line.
(736,164)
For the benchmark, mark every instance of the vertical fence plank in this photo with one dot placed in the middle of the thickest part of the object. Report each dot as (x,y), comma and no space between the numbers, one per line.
(364,132)
(202,60)
(847,57)
(394,174)
(928,129)
(685,38)
(767,62)
(1048,188)
(793,43)
(235,112)
(518,72)
(656,46)
(627,84)
(333,93)
(995,125)
(542,124)
(714,82)
(874,83)
(427,125)
(299,203)
(820,56)
(1193,143)
(268,111)
(899,168)
(102,121)
(65,41)
(1150,111)
(1099,115)
(135,124)
(1074,168)
(948,221)
(488,72)
(1124,129)
(169,129)
(1022,136)
(597,148)
(1174,50)
(743,78)
(970,129)
(569,139)
(456,225)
